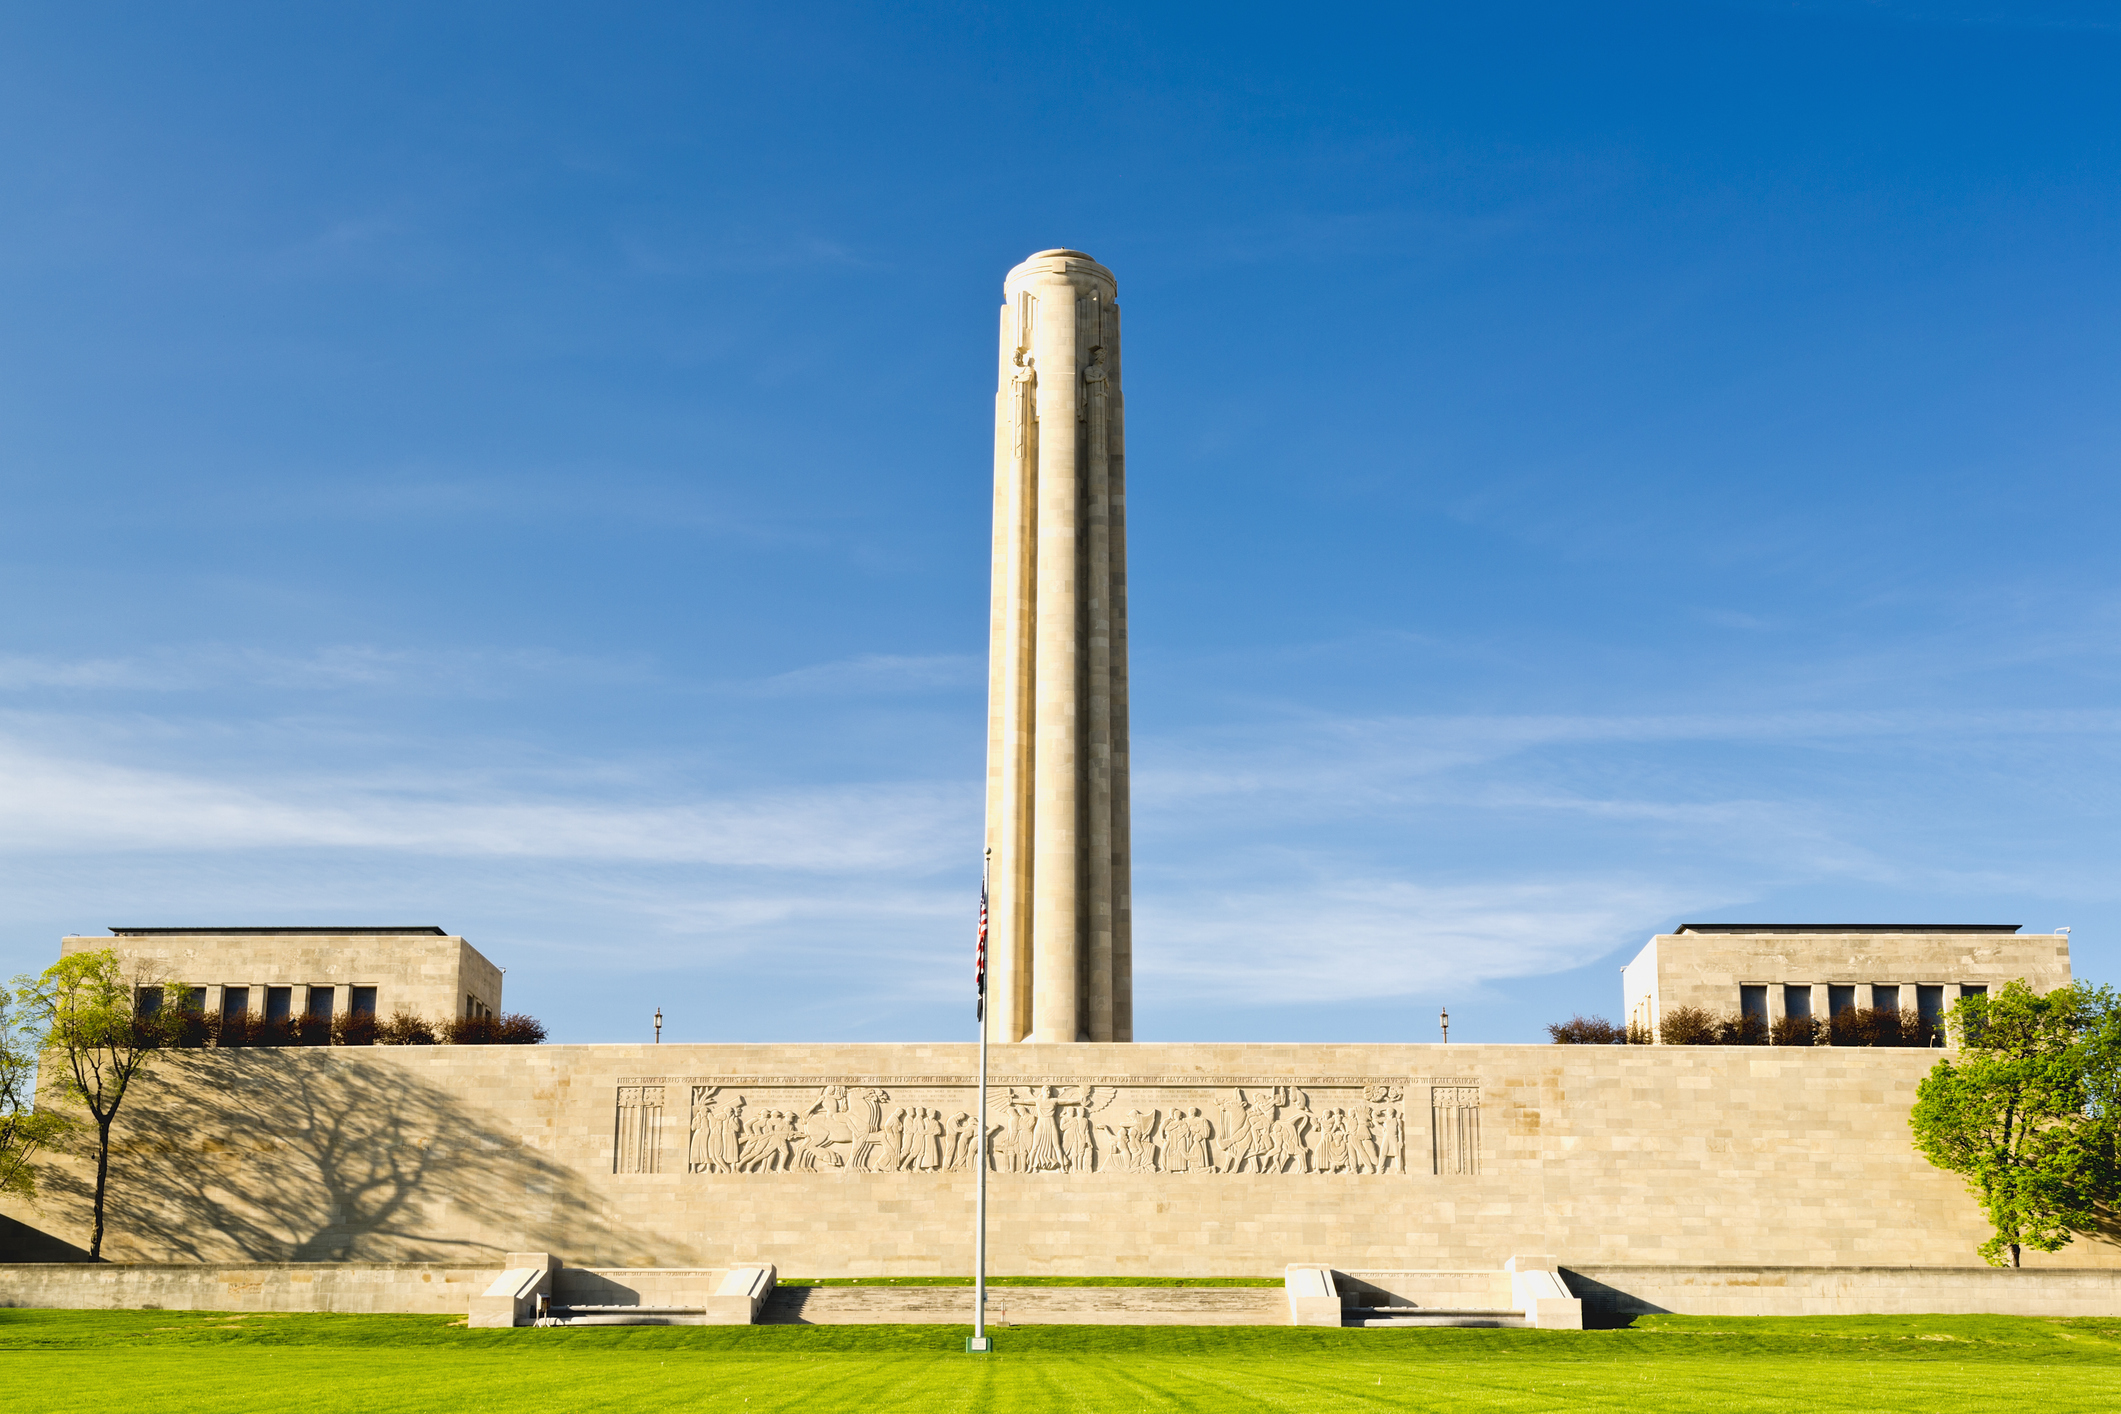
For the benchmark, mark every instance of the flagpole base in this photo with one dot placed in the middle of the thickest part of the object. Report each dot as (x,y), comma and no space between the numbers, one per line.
(979,1345)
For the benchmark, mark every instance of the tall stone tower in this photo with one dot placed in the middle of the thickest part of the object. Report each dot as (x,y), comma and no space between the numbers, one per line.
(1060,901)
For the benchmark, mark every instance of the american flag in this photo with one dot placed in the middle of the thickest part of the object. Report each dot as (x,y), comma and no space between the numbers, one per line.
(979,957)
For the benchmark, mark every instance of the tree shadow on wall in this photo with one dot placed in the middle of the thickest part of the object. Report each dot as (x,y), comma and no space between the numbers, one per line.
(295,1155)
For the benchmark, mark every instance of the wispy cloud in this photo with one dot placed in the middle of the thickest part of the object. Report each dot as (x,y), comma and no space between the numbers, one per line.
(216,667)
(1338,937)
(53,803)
(874,674)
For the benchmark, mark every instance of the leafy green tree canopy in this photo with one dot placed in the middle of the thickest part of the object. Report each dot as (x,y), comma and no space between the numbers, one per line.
(2027,1113)
(25,1130)
(84,1007)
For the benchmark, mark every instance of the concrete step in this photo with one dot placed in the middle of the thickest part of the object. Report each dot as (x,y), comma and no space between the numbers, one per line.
(624,1316)
(1028,1305)
(1372,1317)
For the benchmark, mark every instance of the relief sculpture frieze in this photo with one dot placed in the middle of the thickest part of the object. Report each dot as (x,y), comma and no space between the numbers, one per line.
(929,1125)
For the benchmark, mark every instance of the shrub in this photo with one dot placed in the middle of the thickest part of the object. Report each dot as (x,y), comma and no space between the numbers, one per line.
(469,1031)
(1576,1031)
(1689,1026)
(283,1032)
(520,1030)
(512,1029)
(1867,1026)
(1798,1031)
(1742,1030)
(354,1028)
(191,1030)
(1639,1034)
(405,1029)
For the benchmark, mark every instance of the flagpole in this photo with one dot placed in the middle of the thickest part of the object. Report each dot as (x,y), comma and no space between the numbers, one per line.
(979,1159)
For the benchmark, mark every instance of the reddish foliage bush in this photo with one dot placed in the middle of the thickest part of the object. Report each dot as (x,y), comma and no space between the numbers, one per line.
(354,1028)
(510,1029)
(405,1029)
(1587,1031)
(1689,1026)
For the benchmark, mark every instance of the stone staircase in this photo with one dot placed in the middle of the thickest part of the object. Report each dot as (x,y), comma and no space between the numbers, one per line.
(1028,1306)
(1376,1316)
(1521,1295)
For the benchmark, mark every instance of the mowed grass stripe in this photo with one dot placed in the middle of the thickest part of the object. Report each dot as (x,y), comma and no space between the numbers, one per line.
(269,1381)
(1925,1339)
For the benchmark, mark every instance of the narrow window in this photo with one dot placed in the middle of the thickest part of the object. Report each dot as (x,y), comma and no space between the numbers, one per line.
(1752,1002)
(1885,998)
(1929,1004)
(320,1003)
(361,1001)
(235,1001)
(279,1002)
(1797,1001)
(149,1002)
(195,1000)
(1839,1000)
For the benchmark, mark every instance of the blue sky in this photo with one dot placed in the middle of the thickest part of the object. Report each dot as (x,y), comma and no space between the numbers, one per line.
(525,468)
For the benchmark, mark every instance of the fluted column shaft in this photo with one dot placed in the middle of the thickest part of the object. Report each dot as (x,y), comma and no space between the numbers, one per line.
(1060,940)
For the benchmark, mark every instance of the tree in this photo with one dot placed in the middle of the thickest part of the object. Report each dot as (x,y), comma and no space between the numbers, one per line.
(84,1007)
(25,1130)
(2026,1115)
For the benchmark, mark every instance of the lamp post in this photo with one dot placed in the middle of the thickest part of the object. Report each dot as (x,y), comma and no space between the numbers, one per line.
(1444,1016)
(659,1026)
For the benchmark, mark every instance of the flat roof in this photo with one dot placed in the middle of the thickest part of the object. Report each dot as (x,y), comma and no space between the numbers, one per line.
(1850,927)
(425,930)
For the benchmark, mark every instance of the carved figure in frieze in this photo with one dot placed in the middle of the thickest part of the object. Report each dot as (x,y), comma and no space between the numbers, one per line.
(1392,1139)
(865,1117)
(1388,1127)
(1045,1155)
(725,1136)
(914,1139)
(932,1132)
(1132,1142)
(1292,1117)
(764,1145)
(827,1130)
(1078,1146)
(909,1136)
(1248,1130)
(1012,1137)
(1363,1131)
(1336,1155)
(698,1158)
(891,1153)
(1186,1147)
(963,1141)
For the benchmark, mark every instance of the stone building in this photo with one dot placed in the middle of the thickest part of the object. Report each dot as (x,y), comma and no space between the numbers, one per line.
(276,973)
(1822,969)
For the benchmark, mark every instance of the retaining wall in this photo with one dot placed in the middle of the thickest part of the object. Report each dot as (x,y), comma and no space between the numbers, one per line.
(1114,1159)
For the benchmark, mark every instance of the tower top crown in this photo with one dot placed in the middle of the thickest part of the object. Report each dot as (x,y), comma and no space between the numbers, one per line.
(1074,265)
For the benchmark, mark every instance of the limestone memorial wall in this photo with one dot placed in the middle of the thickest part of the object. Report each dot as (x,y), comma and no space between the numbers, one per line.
(1108,1159)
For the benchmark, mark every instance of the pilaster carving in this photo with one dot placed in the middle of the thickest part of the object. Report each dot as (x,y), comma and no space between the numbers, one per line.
(1455,1127)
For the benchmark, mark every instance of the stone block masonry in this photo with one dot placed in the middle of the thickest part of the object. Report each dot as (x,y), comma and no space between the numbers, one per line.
(1149,1159)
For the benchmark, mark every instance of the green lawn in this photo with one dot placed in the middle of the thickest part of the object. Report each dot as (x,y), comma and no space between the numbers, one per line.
(1035,1281)
(184,1361)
